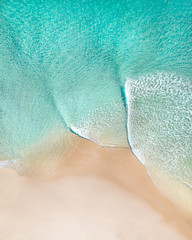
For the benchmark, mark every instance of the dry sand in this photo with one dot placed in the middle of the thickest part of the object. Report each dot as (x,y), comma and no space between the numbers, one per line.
(96,194)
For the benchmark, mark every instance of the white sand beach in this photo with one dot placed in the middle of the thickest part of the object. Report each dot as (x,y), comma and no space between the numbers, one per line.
(98,194)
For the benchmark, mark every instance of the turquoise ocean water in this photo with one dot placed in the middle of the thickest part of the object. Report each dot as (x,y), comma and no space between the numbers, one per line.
(118,73)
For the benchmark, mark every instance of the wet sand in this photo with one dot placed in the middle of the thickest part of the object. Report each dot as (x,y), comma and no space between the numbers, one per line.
(98,194)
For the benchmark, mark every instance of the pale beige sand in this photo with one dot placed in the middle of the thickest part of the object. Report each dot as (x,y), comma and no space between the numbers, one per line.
(97,194)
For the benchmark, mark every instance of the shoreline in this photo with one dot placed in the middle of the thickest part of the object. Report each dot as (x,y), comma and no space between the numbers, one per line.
(97,192)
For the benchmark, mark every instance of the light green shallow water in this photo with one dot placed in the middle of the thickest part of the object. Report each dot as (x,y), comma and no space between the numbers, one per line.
(63,68)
